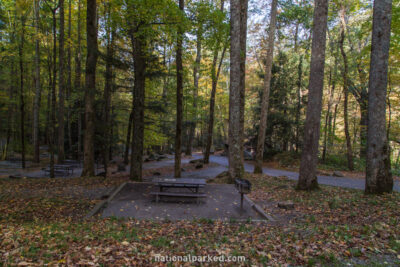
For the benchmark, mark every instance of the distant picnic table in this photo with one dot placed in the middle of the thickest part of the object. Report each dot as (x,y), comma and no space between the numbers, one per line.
(193,186)
(62,169)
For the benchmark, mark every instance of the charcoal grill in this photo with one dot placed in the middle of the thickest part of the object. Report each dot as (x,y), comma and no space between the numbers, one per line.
(244,187)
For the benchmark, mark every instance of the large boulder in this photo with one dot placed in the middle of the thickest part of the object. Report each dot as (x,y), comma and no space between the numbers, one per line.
(337,174)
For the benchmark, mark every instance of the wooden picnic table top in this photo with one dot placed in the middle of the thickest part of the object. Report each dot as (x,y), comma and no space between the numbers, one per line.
(179,181)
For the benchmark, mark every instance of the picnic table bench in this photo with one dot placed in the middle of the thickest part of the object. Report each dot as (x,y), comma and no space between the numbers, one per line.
(60,169)
(193,186)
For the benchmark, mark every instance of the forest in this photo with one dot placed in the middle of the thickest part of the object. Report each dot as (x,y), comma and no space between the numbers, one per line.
(299,97)
(157,78)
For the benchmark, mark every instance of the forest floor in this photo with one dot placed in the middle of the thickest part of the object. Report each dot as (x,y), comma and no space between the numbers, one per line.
(42,222)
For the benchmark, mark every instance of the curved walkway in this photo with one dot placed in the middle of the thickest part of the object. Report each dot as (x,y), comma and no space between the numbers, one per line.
(326,180)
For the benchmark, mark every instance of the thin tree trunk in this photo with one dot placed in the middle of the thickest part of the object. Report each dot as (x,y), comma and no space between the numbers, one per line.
(53,97)
(92,53)
(328,113)
(36,106)
(266,91)
(350,163)
(108,89)
(309,158)
(328,118)
(236,92)
(196,77)
(214,76)
(21,95)
(128,138)
(77,82)
(69,78)
(179,98)
(298,113)
(61,87)
(378,176)
(138,108)
(48,110)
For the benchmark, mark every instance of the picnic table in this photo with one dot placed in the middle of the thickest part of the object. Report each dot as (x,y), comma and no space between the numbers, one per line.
(61,169)
(193,186)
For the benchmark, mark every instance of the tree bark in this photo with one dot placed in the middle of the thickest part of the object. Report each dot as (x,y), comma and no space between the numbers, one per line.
(128,138)
(266,91)
(179,98)
(298,113)
(214,76)
(77,81)
(309,157)
(36,106)
(236,92)
(108,89)
(378,176)
(21,95)
(90,80)
(69,78)
(196,77)
(214,82)
(328,118)
(53,96)
(138,108)
(61,86)
(350,163)
(243,46)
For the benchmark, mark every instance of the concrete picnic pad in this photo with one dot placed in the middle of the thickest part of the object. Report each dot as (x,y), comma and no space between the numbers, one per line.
(222,202)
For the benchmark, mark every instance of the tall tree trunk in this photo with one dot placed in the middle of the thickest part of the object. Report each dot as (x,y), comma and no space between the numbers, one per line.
(138,108)
(350,163)
(21,95)
(179,98)
(36,106)
(69,78)
(265,96)
(214,76)
(298,113)
(128,138)
(328,118)
(215,71)
(50,86)
(90,80)
(61,86)
(196,77)
(309,157)
(243,51)
(53,97)
(77,82)
(378,176)
(108,89)
(237,56)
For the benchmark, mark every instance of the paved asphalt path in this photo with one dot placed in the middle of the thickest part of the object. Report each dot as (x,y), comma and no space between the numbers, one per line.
(326,180)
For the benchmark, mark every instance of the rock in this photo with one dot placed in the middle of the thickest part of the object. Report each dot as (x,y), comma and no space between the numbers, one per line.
(156,173)
(337,174)
(121,168)
(199,166)
(287,205)
(323,173)
(195,161)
